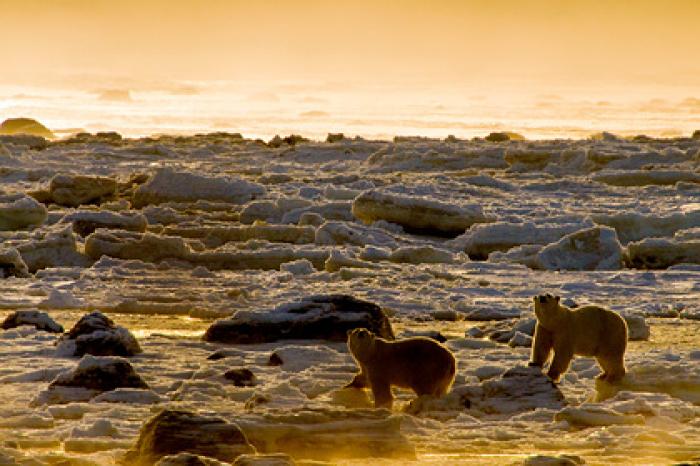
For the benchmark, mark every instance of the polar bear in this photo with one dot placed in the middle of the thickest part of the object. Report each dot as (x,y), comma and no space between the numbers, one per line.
(587,331)
(419,363)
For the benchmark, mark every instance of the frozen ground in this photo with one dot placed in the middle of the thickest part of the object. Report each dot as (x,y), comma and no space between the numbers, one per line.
(165,235)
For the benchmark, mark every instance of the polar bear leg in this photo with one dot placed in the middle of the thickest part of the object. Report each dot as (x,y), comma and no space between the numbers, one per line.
(560,363)
(541,346)
(613,367)
(381,390)
(359,381)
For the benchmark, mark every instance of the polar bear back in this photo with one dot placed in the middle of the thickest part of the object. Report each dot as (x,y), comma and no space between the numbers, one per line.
(596,331)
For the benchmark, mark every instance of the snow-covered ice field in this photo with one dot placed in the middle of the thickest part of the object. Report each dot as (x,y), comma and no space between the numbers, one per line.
(452,238)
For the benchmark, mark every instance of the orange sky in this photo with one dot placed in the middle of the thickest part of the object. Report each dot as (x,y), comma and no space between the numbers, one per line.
(452,43)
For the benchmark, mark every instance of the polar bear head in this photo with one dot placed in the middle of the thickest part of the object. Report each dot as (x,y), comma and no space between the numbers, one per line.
(361,343)
(547,310)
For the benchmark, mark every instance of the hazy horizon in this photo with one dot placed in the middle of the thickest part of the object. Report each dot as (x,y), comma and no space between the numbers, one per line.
(544,68)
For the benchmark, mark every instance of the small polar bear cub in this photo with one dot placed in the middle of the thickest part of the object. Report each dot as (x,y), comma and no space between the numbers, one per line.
(418,363)
(586,331)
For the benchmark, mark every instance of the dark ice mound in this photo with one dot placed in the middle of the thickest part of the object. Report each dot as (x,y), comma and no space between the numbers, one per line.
(320,317)
(102,373)
(97,334)
(174,431)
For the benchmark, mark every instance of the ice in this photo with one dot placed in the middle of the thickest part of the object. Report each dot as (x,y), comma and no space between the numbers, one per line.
(359,235)
(417,212)
(661,253)
(214,237)
(96,334)
(100,428)
(168,185)
(58,299)
(40,320)
(324,435)
(169,256)
(633,226)
(645,177)
(85,221)
(52,247)
(11,263)
(482,239)
(299,267)
(588,415)
(270,211)
(75,190)
(128,245)
(324,317)
(18,211)
(128,395)
(174,431)
(594,248)
(680,379)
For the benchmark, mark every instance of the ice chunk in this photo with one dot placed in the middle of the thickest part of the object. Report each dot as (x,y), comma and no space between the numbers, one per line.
(634,226)
(348,233)
(482,239)
(560,460)
(417,213)
(76,190)
(326,317)
(129,395)
(637,327)
(519,389)
(661,253)
(182,186)
(645,177)
(55,247)
(100,428)
(174,431)
(299,267)
(40,320)
(216,236)
(594,248)
(97,334)
(326,435)
(590,415)
(18,211)
(102,373)
(680,379)
(11,264)
(130,245)
(58,299)
(85,222)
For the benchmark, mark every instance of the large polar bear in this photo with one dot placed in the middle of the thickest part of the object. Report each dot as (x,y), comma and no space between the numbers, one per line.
(418,363)
(587,331)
